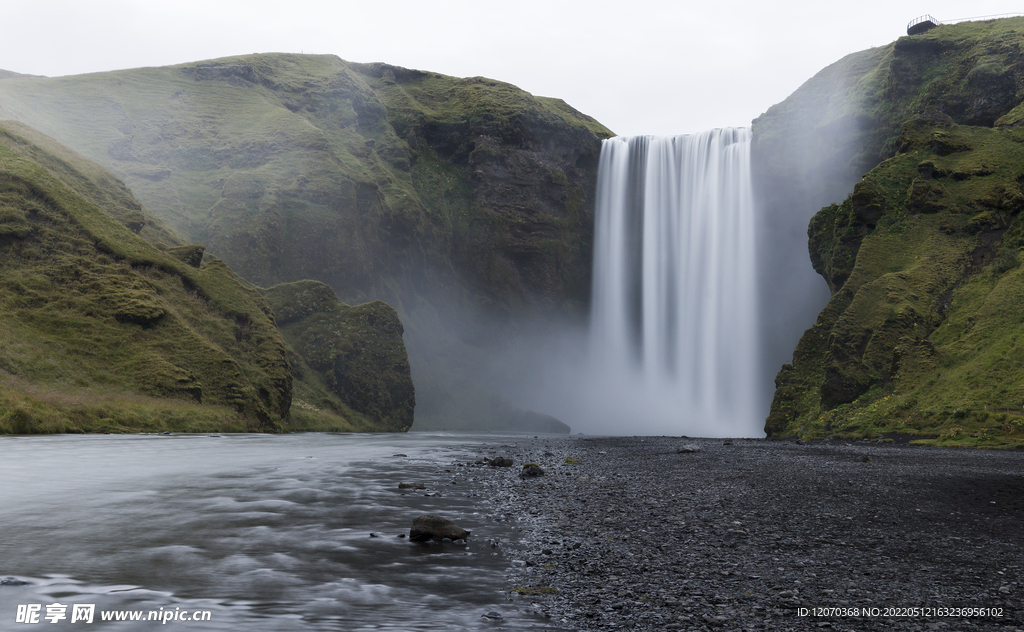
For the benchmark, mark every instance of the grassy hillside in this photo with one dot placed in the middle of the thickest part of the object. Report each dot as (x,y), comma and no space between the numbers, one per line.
(923,335)
(371,168)
(102,331)
(463,203)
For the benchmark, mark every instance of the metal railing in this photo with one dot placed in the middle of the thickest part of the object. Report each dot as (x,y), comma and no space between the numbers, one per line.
(922,19)
(928,18)
(983,17)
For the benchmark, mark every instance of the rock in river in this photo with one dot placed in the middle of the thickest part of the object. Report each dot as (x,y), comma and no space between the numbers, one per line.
(428,527)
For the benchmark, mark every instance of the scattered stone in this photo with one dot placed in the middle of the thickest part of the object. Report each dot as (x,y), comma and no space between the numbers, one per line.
(374,534)
(864,459)
(399,455)
(493,615)
(13,581)
(532,469)
(411,486)
(501,461)
(688,449)
(428,527)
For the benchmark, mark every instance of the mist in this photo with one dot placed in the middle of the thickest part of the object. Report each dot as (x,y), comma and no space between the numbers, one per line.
(802,160)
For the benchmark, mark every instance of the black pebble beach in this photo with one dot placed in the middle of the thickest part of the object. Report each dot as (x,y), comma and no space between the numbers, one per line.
(661,533)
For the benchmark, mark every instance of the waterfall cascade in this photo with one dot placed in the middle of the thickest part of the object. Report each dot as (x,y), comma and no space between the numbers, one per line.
(673,317)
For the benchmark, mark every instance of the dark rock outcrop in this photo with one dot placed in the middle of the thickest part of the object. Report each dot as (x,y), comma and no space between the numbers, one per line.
(531,469)
(346,359)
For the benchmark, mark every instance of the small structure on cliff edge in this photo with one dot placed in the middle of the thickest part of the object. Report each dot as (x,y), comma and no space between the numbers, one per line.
(922,24)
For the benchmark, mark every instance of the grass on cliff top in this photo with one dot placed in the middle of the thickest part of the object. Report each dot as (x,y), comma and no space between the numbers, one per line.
(930,313)
(98,327)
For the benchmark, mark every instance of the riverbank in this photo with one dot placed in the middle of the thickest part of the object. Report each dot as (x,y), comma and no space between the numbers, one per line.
(652,533)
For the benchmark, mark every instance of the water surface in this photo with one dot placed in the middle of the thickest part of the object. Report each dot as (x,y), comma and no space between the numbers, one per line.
(266,532)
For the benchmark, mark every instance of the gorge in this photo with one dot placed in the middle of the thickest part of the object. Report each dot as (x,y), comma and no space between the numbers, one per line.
(468,206)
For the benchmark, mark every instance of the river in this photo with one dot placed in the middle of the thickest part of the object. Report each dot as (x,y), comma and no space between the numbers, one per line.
(252,532)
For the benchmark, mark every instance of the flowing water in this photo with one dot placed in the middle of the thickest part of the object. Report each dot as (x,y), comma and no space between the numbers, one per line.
(673,315)
(264,532)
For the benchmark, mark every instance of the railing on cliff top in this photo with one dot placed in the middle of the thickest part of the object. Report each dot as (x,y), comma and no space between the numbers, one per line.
(922,20)
(927,19)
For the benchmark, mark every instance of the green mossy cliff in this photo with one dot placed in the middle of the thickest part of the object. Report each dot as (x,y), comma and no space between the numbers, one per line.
(922,335)
(102,331)
(349,363)
(464,203)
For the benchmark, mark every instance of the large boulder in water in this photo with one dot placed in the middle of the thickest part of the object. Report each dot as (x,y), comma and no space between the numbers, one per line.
(428,527)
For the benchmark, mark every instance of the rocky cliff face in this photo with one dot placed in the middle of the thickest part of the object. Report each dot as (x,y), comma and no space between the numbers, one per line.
(464,203)
(921,258)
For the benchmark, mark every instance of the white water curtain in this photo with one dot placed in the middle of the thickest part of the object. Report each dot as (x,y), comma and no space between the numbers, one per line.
(673,318)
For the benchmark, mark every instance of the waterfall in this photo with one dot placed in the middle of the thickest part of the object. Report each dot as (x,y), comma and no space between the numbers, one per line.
(673,334)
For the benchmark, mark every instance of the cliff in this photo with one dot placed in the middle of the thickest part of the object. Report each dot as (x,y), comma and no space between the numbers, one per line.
(464,203)
(921,261)
(349,363)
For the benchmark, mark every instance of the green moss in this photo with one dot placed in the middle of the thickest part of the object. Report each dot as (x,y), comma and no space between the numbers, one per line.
(814,146)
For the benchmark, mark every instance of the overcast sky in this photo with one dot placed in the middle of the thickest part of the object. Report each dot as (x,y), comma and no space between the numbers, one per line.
(638,66)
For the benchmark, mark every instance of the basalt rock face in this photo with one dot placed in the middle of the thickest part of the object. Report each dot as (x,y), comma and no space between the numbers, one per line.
(464,203)
(915,116)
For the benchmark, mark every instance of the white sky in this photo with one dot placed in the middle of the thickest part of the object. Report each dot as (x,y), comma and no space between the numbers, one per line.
(638,66)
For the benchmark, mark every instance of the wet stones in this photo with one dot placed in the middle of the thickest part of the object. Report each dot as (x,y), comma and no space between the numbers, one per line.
(500,461)
(411,486)
(427,527)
